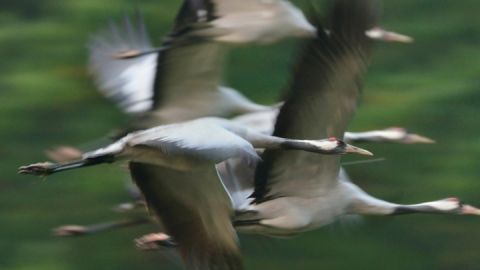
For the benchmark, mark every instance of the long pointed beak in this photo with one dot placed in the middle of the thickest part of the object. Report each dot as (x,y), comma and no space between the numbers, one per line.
(378,33)
(415,138)
(396,37)
(353,149)
(70,230)
(470,210)
(39,169)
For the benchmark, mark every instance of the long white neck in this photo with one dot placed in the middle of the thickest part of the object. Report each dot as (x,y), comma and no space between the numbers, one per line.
(364,204)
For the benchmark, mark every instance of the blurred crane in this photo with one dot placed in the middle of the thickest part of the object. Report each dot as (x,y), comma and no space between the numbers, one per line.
(297,192)
(141,171)
(292,219)
(151,83)
(130,82)
(178,178)
(181,80)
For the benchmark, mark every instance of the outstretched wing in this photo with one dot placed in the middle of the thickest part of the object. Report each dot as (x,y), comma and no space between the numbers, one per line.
(181,80)
(237,176)
(127,82)
(184,73)
(195,211)
(322,100)
(203,140)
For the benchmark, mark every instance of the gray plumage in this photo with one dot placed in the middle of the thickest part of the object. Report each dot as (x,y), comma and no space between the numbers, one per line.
(173,165)
(322,101)
(249,21)
(299,192)
(190,61)
(183,145)
(205,241)
(195,211)
(190,65)
(158,82)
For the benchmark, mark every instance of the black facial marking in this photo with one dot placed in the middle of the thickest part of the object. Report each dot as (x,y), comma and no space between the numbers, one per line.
(402,210)
(341,146)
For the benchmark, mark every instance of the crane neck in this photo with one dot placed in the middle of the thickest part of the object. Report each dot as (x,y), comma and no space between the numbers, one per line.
(368,205)
(365,204)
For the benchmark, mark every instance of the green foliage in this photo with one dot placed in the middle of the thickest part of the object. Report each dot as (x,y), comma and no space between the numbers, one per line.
(431,87)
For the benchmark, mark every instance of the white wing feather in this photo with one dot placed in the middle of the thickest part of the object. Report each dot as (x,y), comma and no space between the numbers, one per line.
(127,82)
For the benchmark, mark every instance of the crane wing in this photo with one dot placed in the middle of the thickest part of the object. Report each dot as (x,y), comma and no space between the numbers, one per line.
(126,82)
(238,178)
(182,79)
(185,69)
(195,211)
(202,139)
(322,100)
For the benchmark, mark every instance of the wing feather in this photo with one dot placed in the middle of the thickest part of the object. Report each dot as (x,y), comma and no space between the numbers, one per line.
(195,211)
(126,82)
(322,100)
(202,139)
(185,66)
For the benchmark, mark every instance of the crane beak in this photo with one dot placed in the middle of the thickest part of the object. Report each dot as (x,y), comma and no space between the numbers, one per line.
(353,149)
(379,33)
(470,210)
(415,138)
(70,230)
(39,169)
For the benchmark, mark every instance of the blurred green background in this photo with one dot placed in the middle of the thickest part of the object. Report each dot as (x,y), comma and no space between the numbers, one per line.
(431,87)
